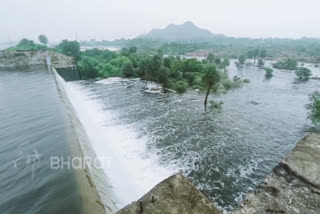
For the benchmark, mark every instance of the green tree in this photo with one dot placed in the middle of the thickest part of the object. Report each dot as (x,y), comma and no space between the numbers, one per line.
(43,39)
(88,68)
(163,77)
(314,108)
(127,69)
(260,63)
(242,60)
(303,73)
(226,62)
(70,48)
(210,78)
(210,58)
(263,53)
(256,53)
(269,72)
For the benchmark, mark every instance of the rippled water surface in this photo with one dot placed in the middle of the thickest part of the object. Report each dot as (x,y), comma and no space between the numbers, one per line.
(225,154)
(33,128)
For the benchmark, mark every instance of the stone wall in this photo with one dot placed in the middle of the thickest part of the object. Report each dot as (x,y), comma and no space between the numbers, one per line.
(13,59)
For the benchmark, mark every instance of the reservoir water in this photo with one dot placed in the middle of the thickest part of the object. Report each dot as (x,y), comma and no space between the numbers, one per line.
(34,127)
(151,136)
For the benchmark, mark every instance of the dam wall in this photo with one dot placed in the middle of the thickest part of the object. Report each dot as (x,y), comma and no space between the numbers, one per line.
(97,190)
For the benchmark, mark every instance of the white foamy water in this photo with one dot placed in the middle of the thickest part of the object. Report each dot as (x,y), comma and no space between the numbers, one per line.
(132,170)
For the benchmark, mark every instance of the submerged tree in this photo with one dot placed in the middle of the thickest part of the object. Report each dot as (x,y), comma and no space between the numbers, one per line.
(314,108)
(303,73)
(260,63)
(43,39)
(269,72)
(210,78)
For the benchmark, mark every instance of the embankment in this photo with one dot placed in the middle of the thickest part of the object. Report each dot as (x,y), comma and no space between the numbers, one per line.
(16,59)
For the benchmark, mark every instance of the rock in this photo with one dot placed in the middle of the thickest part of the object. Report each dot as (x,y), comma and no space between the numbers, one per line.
(175,195)
(293,186)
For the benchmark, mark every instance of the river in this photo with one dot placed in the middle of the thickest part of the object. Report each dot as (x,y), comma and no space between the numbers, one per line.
(151,136)
(34,127)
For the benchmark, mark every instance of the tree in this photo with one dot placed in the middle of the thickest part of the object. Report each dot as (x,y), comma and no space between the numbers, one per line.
(70,48)
(255,54)
(242,59)
(260,63)
(303,73)
(269,72)
(226,62)
(210,58)
(127,69)
(263,53)
(43,39)
(210,78)
(88,67)
(163,77)
(314,107)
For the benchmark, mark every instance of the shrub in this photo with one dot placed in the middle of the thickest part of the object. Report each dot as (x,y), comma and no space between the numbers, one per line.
(246,81)
(314,107)
(269,72)
(303,73)
(288,64)
(180,86)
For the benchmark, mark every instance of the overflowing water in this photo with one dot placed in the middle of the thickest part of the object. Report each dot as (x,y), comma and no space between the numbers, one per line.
(227,154)
(33,128)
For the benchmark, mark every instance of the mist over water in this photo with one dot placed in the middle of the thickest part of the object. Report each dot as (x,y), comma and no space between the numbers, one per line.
(227,154)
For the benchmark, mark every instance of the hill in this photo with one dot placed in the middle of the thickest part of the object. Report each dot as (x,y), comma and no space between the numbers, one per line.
(186,32)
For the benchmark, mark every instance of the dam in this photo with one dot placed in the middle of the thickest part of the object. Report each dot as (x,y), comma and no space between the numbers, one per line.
(146,141)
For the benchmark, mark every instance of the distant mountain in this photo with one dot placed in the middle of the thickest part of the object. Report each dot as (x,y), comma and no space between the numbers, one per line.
(187,32)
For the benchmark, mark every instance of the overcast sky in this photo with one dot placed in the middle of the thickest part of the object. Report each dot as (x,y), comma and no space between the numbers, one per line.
(112,19)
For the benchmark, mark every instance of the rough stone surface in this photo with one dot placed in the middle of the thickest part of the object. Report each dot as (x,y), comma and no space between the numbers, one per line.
(175,195)
(25,58)
(293,186)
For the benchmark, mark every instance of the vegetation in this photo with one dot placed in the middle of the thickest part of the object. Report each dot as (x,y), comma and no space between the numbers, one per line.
(269,72)
(260,63)
(43,39)
(69,48)
(28,45)
(305,49)
(303,74)
(288,64)
(314,108)
(210,78)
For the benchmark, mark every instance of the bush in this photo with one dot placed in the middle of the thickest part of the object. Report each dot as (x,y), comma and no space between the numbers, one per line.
(69,48)
(269,72)
(246,81)
(303,73)
(28,45)
(88,68)
(107,70)
(314,107)
(127,69)
(288,64)
(180,86)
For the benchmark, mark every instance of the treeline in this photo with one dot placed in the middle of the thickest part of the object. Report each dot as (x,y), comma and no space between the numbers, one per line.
(172,72)
(305,49)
